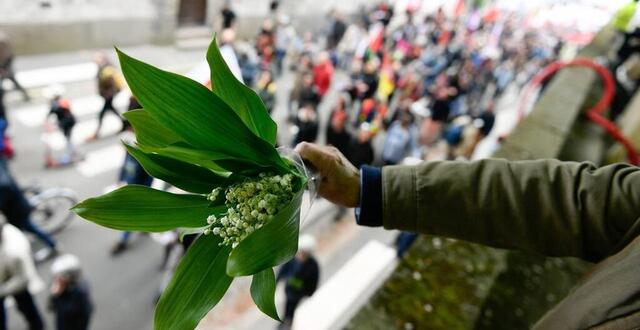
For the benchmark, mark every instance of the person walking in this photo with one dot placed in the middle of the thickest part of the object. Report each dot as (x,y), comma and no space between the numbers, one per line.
(70,299)
(61,109)
(109,84)
(548,207)
(6,65)
(131,172)
(301,275)
(14,276)
(17,210)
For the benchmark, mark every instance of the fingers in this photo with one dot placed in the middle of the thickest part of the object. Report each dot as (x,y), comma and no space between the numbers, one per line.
(314,154)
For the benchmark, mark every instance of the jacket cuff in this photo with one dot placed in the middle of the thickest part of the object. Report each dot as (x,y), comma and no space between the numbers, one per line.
(369,210)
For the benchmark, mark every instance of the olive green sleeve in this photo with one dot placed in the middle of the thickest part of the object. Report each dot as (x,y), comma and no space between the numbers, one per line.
(545,206)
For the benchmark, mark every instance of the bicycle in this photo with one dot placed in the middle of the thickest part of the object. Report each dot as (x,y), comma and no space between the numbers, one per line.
(51,207)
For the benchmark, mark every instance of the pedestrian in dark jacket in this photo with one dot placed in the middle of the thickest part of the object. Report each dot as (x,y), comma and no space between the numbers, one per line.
(307,122)
(301,275)
(70,299)
(337,134)
(360,151)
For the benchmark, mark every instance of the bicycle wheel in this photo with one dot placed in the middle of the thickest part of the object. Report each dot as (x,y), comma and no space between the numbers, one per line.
(51,212)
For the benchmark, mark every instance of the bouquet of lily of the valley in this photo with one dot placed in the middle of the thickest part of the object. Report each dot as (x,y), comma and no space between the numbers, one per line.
(243,196)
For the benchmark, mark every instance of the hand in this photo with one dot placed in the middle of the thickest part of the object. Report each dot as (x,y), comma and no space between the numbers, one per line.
(339,179)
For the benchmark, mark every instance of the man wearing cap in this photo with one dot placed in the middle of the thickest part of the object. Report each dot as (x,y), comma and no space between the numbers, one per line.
(301,275)
(70,299)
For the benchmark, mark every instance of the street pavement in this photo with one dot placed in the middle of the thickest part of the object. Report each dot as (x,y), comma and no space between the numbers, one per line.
(124,288)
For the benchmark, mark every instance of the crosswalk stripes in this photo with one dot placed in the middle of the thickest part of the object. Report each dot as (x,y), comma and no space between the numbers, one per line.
(56,75)
(34,115)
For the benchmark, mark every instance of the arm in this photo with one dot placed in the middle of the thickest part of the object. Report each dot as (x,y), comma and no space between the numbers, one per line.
(549,207)
(18,280)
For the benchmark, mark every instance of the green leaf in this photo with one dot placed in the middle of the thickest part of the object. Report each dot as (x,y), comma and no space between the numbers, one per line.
(184,152)
(181,174)
(195,114)
(196,287)
(140,208)
(242,99)
(148,131)
(263,292)
(269,246)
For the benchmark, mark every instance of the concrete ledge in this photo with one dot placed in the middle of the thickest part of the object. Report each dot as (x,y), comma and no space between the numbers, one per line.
(335,303)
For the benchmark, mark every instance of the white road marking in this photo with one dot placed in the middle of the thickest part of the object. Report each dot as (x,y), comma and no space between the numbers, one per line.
(102,160)
(34,115)
(57,75)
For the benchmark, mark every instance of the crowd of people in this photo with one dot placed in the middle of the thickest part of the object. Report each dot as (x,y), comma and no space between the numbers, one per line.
(425,85)
(381,86)
(390,88)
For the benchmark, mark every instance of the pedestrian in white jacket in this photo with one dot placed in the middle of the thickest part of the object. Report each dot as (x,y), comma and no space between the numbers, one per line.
(17,272)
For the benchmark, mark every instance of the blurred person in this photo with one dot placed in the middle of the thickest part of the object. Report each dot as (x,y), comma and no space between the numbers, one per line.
(285,35)
(307,124)
(337,134)
(17,210)
(367,83)
(69,298)
(353,39)
(274,5)
(323,73)
(337,29)
(305,92)
(265,43)
(400,140)
(6,65)
(248,68)
(60,107)
(360,150)
(109,84)
(624,16)
(131,172)
(6,150)
(228,15)
(301,275)
(266,89)
(15,256)
(443,94)
(533,206)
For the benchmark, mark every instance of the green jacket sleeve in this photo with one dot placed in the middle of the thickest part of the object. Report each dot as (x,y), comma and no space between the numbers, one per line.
(545,206)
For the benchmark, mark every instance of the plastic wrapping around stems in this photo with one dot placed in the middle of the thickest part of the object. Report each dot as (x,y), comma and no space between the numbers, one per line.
(308,173)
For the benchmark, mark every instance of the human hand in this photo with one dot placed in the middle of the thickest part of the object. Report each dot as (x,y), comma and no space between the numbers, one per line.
(339,179)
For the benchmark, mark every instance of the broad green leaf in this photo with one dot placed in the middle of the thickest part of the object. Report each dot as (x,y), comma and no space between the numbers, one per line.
(263,292)
(140,208)
(148,131)
(242,99)
(269,246)
(214,161)
(183,175)
(197,286)
(184,152)
(195,114)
